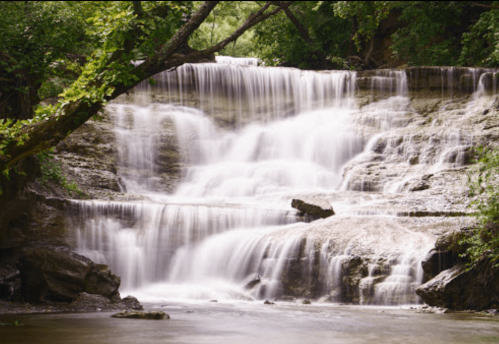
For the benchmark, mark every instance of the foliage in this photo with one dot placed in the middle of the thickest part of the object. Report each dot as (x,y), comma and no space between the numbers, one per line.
(222,21)
(429,32)
(109,27)
(279,42)
(481,43)
(115,36)
(482,182)
(52,172)
(36,38)
(367,14)
(430,37)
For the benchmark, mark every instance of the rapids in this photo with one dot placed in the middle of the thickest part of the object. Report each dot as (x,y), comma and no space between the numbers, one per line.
(252,138)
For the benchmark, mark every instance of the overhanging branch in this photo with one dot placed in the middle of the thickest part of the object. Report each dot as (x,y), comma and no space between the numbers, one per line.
(46,134)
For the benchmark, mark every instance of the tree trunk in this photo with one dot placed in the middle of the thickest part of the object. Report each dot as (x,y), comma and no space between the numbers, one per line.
(306,37)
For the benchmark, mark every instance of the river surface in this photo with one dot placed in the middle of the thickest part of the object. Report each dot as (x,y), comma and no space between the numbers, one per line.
(253,322)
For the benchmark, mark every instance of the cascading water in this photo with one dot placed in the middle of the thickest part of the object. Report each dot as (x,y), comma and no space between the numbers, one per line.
(250,139)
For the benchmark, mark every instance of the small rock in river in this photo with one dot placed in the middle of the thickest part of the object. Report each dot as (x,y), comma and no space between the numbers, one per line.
(267,302)
(154,315)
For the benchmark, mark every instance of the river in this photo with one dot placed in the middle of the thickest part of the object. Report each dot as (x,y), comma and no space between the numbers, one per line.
(242,323)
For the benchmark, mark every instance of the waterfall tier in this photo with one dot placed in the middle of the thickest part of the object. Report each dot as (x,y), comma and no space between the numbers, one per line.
(244,140)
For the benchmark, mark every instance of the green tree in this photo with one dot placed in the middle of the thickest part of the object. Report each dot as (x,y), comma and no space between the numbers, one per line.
(308,35)
(119,33)
(39,41)
(223,20)
(481,42)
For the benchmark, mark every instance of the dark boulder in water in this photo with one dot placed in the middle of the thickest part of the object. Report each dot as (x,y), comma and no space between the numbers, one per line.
(154,315)
(460,289)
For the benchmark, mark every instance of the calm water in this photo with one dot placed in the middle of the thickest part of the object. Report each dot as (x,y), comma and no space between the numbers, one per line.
(256,323)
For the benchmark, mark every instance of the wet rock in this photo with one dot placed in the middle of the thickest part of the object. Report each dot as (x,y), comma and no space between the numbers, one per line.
(153,315)
(430,310)
(414,160)
(314,207)
(85,302)
(353,271)
(422,184)
(380,146)
(459,289)
(267,302)
(306,302)
(293,282)
(10,285)
(251,281)
(436,261)
(59,275)
(130,302)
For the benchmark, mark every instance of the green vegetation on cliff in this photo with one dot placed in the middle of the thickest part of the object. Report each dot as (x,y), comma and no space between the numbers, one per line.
(484,241)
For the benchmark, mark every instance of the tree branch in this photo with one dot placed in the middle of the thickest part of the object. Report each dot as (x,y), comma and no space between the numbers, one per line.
(252,20)
(485,5)
(48,133)
(306,37)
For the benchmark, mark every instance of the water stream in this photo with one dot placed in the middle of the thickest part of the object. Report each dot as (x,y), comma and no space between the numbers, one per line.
(251,139)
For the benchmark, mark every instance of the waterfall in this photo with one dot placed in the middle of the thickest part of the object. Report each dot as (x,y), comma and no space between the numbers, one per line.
(246,140)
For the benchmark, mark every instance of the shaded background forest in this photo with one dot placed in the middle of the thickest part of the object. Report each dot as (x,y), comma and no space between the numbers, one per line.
(364,34)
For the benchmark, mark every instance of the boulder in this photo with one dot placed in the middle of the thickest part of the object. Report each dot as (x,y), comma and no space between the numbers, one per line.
(85,302)
(59,275)
(154,315)
(251,281)
(314,207)
(460,289)
(10,285)
(131,302)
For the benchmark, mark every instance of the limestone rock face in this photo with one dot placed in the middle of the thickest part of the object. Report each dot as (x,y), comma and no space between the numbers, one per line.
(59,275)
(458,289)
(314,207)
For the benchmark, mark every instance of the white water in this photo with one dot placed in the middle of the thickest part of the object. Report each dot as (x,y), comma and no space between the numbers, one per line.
(230,217)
